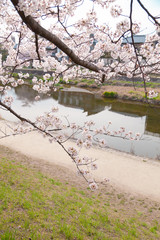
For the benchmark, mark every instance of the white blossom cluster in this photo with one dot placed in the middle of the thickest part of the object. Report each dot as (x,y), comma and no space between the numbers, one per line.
(79,37)
(152,94)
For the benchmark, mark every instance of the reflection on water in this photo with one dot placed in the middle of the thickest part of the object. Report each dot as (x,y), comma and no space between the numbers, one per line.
(152,114)
(82,100)
(81,105)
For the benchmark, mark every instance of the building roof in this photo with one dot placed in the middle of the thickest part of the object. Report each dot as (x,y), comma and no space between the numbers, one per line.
(137,39)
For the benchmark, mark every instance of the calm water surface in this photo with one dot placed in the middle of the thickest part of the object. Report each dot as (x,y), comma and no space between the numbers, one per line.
(79,106)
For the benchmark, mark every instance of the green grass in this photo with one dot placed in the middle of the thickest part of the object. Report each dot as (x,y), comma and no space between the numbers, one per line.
(87,81)
(35,206)
(130,83)
(137,94)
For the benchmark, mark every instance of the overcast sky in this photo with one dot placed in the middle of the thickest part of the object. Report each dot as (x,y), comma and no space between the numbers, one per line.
(104,17)
(138,13)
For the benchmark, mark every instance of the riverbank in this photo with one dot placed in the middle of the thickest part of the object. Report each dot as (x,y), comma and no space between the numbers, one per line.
(40,180)
(131,94)
(126,89)
(41,200)
(132,174)
(123,90)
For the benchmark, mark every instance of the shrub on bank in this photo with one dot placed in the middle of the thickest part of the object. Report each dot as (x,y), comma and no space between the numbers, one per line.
(110,94)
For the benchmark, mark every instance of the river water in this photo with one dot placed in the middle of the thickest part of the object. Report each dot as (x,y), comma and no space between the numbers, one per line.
(80,105)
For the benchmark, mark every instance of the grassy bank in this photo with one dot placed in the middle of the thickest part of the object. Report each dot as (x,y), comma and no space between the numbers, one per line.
(126,90)
(34,205)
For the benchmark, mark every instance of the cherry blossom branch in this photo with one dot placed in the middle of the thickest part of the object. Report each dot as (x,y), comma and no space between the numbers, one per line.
(39,30)
(6,38)
(64,27)
(149,14)
(71,152)
(61,73)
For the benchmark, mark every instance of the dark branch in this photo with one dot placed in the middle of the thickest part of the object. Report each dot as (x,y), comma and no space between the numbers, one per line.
(149,14)
(135,49)
(37,48)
